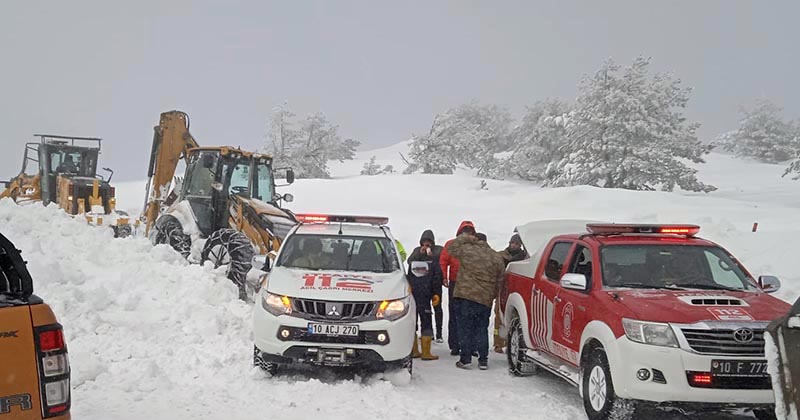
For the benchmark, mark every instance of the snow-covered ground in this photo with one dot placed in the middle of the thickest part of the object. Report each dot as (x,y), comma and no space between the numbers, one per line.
(153,337)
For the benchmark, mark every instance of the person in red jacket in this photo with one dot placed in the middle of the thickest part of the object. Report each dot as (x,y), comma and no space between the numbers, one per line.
(449,265)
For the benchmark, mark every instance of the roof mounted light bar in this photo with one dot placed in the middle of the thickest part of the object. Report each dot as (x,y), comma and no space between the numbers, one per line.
(339,218)
(620,229)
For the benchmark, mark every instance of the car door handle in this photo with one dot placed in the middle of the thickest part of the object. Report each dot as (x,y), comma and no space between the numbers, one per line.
(557,299)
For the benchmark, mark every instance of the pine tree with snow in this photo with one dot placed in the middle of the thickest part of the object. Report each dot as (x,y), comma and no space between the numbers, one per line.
(371,168)
(539,140)
(794,167)
(628,130)
(763,134)
(308,148)
(468,135)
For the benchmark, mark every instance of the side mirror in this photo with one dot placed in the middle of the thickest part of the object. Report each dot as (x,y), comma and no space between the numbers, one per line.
(111,173)
(288,198)
(261,262)
(290,176)
(769,284)
(573,281)
(208,161)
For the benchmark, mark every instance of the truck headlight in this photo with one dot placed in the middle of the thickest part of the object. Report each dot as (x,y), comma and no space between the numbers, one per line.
(276,304)
(653,333)
(393,309)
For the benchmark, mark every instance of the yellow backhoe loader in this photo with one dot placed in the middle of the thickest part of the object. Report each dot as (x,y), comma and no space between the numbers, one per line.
(225,206)
(63,170)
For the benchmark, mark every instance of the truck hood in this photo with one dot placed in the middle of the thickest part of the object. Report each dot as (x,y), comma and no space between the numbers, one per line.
(691,306)
(337,285)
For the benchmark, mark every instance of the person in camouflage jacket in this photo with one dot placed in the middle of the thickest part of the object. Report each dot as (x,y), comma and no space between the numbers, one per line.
(480,272)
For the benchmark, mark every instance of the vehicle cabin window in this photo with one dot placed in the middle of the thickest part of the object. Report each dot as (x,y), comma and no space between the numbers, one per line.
(555,262)
(200,177)
(581,262)
(264,185)
(65,162)
(723,271)
(240,179)
(680,266)
(339,252)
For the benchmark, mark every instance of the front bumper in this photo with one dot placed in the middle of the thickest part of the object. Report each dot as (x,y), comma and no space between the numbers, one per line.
(668,383)
(301,347)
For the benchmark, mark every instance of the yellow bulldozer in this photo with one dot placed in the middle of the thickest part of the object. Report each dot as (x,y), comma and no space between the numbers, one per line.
(225,206)
(63,170)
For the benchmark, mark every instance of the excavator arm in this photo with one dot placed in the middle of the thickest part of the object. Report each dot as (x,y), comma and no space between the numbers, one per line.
(171,143)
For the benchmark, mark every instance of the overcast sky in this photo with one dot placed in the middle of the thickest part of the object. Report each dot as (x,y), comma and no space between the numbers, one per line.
(381,70)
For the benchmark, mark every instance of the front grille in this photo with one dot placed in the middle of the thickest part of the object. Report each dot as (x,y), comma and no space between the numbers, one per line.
(658,377)
(734,382)
(320,309)
(722,342)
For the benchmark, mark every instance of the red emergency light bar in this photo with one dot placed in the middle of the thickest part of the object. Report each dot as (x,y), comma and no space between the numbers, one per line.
(618,229)
(338,218)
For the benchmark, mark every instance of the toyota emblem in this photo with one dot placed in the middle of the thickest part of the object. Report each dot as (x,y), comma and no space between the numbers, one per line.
(743,335)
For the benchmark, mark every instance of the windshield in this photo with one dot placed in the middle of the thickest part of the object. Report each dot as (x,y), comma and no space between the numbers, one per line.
(671,266)
(342,253)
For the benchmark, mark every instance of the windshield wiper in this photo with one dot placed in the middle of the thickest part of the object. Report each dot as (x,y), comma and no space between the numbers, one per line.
(649,286)
(710,287)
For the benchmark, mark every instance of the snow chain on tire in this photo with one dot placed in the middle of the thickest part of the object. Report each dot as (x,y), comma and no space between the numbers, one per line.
(237,248)
(170,232)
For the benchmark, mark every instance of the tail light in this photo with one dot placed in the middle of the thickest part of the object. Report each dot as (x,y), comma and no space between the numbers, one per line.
(71,191)
(113,192)
(54,370)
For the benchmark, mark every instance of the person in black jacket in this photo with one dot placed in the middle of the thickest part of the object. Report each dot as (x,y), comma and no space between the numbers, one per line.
(425,277)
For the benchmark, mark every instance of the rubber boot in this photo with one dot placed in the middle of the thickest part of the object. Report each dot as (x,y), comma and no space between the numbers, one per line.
(415,349)
(426,349)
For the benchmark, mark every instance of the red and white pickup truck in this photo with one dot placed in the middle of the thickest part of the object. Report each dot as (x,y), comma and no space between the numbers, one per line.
(640,315)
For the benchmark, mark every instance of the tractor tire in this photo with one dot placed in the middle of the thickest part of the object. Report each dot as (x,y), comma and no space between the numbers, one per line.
(168,230)
(232,248)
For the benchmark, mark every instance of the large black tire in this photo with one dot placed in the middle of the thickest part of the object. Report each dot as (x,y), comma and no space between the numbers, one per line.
(168,230)
(599,399)
(232,248)
(515,350)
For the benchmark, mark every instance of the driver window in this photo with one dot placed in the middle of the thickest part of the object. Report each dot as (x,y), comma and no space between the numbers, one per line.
(55,161)
(581,263)
(200,177)
(556,260)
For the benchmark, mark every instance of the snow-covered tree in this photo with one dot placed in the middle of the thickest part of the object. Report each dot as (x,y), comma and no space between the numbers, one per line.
(628,130)
(308,148)
(539,140)
(763,134)
(468,135)
(794,167)
(371,168)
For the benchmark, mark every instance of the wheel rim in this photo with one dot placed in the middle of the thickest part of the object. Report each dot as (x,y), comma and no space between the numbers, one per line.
(597,388)
(219,256)
(514,348)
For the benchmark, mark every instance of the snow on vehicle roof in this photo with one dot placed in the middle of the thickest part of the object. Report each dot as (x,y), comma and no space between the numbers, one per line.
(348,229)
(536,235)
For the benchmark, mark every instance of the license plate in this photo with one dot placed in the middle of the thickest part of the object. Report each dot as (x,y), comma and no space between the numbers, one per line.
(333,329)
(739,367)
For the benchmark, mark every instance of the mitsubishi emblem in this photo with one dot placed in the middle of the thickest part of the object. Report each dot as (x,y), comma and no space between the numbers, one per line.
(334,312)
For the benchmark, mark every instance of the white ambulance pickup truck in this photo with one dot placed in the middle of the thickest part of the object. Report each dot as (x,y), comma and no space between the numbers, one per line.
(336,295)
